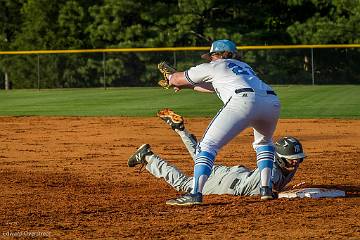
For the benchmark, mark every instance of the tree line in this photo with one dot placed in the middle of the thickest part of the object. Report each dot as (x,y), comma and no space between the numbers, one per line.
(91,24)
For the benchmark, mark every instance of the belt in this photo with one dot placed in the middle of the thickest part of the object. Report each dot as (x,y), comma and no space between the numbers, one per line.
(240,90)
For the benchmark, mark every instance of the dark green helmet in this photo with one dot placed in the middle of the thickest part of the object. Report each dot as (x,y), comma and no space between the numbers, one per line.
(288,148)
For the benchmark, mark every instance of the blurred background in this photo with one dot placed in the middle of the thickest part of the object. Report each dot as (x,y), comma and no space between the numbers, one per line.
(34,25)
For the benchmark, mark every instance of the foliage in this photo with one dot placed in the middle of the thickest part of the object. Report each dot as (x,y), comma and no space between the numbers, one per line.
(334,22)
(70,24)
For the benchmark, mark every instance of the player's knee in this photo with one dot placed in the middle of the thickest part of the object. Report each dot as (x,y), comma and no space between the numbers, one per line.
(202,147)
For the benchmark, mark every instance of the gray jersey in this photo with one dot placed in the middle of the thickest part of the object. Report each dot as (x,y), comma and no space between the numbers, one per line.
(236,180)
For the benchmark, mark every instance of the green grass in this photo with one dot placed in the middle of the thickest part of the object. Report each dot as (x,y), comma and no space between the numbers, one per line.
(335,101)
(298,101)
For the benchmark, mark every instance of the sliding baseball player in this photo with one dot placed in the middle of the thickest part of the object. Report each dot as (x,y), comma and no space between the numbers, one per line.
(236,180)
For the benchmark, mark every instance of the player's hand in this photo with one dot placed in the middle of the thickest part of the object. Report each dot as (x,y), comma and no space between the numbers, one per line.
(166,70)
(177,89)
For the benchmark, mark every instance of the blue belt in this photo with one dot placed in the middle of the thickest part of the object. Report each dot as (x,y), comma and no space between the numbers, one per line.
(240,90)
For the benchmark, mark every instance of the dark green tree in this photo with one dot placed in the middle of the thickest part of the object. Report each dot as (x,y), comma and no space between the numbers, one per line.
(53,25)
(331,22)
(335,21)
(71,24)
(10,22)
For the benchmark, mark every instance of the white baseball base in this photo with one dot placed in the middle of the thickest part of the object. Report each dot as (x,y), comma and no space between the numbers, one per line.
(312,193)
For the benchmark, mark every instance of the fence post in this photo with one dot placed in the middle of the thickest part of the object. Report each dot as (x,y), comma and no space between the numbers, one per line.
(7,85)
(312,67)
(104,69)
(38,72)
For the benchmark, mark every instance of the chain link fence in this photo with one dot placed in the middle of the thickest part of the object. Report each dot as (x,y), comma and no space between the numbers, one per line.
(138,67)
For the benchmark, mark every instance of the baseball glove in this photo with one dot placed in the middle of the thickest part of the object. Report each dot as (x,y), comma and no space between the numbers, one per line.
(164,83)
(175,120)
(166,70)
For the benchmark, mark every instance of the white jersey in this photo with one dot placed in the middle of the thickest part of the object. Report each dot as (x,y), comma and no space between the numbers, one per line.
(226,75)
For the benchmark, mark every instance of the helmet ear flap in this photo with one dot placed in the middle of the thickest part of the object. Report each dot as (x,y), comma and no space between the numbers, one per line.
(284,164)
(227,55)
(280,161)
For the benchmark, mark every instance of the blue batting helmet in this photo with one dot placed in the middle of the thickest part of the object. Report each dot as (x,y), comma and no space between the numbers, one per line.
(220,46)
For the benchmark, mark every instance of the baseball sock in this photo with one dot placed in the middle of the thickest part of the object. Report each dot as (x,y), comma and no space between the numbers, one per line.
(202,170)
(265,161)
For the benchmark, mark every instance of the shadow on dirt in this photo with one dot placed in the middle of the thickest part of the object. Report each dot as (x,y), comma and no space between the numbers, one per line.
(351,191)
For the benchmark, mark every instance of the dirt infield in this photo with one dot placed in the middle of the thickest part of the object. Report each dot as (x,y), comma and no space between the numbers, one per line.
(67,178)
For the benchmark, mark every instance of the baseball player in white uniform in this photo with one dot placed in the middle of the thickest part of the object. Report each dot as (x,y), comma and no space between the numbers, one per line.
(248,102)
(236,180)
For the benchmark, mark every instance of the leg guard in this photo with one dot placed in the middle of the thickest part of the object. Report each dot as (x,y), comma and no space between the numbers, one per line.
(265,160)
(203,165)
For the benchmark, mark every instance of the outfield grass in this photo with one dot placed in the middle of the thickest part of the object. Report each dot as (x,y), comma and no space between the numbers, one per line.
(298,101)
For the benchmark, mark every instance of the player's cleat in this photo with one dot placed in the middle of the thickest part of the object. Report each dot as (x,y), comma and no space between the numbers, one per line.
(139,156)
(266,193)
(186,200)
(170,117)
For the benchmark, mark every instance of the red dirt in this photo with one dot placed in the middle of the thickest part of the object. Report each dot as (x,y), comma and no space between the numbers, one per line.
(67,178)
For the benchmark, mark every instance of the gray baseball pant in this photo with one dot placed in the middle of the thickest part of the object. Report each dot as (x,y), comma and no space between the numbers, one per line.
(236,180)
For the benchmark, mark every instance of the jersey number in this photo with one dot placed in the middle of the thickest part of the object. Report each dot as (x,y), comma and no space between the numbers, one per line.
(238,70)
